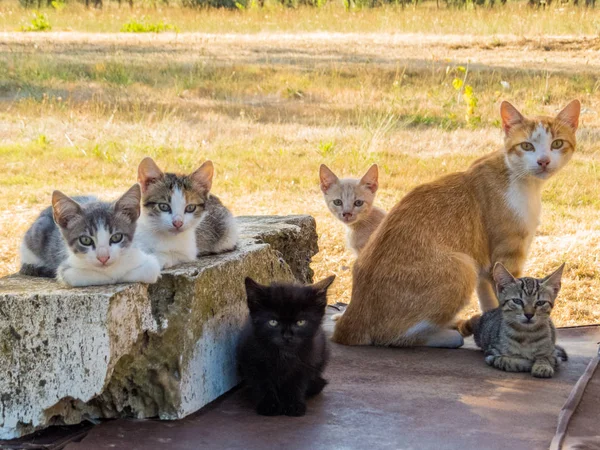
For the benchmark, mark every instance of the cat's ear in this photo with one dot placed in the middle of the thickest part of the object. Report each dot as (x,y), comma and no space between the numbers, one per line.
(502,277)
(510,116)
(570,115)
(327,177)
(202,177)
(370,179)
(321,286)
(64,209)
(254,293)
(129,203)
(148,173)
(553,281)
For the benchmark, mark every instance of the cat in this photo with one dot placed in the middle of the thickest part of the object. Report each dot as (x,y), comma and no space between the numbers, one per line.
(180,219)
(283,350)
(83,242)
(440,242)
(351,201)
(519,335)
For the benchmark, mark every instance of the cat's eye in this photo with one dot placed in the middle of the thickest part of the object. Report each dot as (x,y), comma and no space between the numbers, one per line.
(190,208)
(301,323)
(86,240)
(540,303)
(164,207)
(273,323)
(337,202)
(116,238)
(358,203)
(517,301)
(557,144)
(527,146)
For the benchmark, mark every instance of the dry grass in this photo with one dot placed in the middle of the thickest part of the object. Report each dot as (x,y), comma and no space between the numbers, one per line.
(78,111)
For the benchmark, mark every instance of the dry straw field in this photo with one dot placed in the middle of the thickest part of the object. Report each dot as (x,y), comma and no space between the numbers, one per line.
(269,94)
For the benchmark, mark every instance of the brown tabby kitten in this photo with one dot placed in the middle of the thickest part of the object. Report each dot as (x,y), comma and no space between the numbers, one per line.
(519,335)
(351,200)
(440,242)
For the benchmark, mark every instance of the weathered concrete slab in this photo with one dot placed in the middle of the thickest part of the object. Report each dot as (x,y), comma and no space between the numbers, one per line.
(133,350)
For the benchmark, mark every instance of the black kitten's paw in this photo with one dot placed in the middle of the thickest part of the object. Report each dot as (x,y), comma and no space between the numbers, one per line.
(315,386)
(269,407)
(295,409)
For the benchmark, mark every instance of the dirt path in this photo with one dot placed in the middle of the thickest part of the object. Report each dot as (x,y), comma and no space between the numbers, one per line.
(553,53)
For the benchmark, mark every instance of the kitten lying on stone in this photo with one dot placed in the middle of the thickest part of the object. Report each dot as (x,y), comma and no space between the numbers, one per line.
(519,335)
(351,201)
(283,349)
(180,219)
(82,241)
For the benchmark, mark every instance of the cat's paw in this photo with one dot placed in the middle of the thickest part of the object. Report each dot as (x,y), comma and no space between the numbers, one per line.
(543,370)
(315,386)
(295,409)
(491,359)
(151,270)
(269,407)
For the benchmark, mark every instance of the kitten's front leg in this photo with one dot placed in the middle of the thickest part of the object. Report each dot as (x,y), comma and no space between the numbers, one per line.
(77,277)
(269,404)
(544,367)
(294,398)
(146,269)
(509,363)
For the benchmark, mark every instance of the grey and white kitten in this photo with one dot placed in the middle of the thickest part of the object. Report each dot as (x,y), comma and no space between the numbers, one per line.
(351,200)
(181,219)
(82,241)
(519,335)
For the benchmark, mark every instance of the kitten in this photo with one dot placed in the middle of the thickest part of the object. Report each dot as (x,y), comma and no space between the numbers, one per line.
(351,201)
(180,219)
(519,335)
(283,349)
(440,242)
(84,242)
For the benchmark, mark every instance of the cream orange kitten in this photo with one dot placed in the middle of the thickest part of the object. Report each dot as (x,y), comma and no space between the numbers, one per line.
(351,201)
(440,242)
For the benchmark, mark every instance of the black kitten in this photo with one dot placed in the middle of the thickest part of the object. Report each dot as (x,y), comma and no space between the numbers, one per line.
(283,349)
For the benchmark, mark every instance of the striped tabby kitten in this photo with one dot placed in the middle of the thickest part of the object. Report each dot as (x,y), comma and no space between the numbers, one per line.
(85,242)
(351,201)
(519,335)
(441,241)
(180,219)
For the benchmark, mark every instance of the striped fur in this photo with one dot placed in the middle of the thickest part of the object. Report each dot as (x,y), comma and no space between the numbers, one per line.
(519,335)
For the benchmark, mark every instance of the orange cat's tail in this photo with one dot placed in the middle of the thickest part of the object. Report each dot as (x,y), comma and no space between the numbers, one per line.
(467,327)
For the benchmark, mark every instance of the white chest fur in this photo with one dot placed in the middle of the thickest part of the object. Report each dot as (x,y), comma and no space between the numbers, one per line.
(524,198)
(169,248)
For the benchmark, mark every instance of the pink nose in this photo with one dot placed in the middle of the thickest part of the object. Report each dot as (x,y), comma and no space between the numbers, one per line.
(543,162)
(346,215)
(177,224)
(103,259)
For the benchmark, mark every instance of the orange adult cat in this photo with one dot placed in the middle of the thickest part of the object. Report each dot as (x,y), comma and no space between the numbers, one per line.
(440,242)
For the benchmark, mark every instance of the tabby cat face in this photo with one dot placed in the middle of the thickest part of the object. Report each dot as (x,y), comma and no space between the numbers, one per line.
(286,316)
(349,199)
(540,146)
(174,203)
(97,233)
(526,300)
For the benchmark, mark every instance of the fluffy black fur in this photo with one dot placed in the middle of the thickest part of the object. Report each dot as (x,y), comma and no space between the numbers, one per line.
(283,350)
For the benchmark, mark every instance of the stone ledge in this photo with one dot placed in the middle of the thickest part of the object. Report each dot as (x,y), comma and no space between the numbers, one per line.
(133,350)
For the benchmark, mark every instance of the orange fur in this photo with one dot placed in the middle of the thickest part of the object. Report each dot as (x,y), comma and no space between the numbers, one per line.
(439,243)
